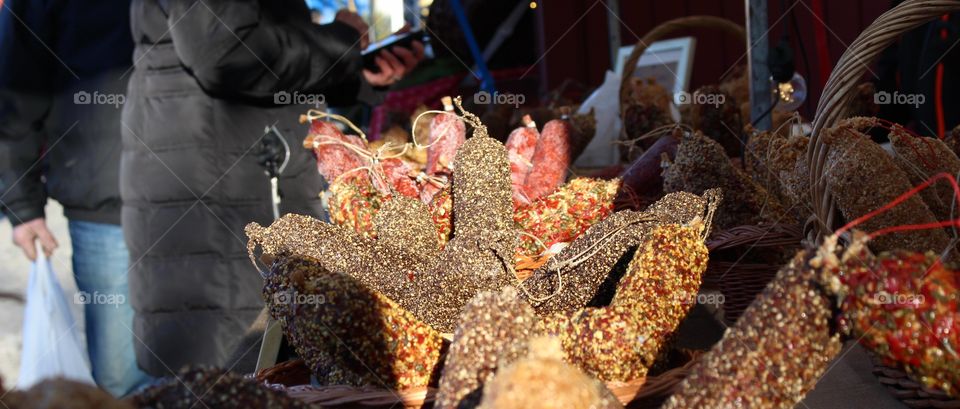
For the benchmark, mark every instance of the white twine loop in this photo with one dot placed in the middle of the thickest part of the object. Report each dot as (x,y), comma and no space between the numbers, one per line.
(578,259)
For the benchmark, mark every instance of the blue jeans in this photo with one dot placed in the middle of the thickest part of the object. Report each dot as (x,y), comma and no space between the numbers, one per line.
(100,263)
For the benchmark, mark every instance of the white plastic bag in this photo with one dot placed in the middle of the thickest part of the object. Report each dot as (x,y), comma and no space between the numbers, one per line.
(605,101)
(51,344)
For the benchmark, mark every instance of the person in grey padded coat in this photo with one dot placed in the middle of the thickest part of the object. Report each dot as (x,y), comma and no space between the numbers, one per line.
(205,85)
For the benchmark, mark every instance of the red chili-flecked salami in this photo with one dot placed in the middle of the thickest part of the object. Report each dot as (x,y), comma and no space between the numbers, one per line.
(447,133)
(521,145)
(550,160)
(398,174)
(333,158)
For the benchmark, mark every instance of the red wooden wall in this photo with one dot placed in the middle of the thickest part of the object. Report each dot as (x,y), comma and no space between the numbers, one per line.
(576,34)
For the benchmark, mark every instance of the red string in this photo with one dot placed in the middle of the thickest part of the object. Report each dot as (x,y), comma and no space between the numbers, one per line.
(900,199)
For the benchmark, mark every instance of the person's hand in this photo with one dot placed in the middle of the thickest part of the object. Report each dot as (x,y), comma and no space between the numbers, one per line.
(26,234)
(354,20)
(394,64)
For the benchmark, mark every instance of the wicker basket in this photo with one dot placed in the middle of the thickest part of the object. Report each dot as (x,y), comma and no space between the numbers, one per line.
(649,392)
(908,391)
(741,282)
(659,32)
(833,106)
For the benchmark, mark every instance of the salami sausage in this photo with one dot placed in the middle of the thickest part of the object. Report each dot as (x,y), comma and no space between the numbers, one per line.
(643,178)
(521,145)
(428,190)
(447,133)
(333,158)
(398,174)
(550,160)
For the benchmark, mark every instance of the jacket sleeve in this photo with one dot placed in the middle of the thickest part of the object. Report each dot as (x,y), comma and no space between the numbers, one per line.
(233,48)
(23,194)
(24,102)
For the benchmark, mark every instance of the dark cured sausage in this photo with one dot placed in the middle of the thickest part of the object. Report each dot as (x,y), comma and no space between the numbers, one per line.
(643,179)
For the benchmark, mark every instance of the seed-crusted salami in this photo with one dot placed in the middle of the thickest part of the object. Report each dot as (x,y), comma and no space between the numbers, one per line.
(922,157)
(521,146)
(550,160)
(326,316)
(333,157)
(447,133)
(862,177)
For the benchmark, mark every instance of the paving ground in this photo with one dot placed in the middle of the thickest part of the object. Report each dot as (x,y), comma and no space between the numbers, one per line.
(14,270)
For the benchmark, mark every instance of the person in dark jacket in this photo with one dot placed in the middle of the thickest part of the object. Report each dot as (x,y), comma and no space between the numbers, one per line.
(60,94)
(205,86)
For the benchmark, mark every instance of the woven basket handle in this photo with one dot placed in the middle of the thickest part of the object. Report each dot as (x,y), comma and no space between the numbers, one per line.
(666,28)
(841,88)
